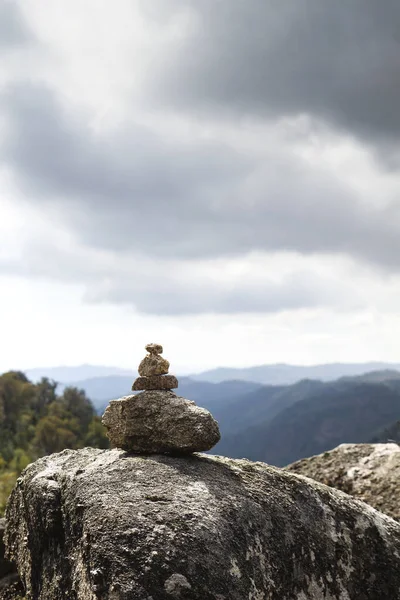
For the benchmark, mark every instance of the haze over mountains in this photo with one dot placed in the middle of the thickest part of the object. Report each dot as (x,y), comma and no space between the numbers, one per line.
(283,374)
(72,374)
(273,374)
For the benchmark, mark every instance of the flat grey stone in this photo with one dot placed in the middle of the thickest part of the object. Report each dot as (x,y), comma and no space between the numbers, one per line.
(155,382)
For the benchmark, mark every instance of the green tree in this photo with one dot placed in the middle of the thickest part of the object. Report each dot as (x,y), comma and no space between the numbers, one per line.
(45,395)
(16,396)
(7,482)
(78,404)
(96,435)
(53,435)
(35,421)
(20,461)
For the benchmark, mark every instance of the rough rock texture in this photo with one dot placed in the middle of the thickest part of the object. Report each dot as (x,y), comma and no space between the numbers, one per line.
(153,364)
(11,588)
(9,585)
(97,524)
(160,422)
(5,566)
(156,382)
(369,472)
(154,348)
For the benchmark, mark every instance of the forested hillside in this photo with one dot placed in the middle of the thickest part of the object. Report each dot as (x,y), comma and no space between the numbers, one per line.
(305,419)
(35,421)
(389,434)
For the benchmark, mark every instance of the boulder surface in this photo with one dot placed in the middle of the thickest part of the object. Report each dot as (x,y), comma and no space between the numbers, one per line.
(107,525)
(9,585)
(11,588)
(155,382)
(369,472)
(5,566)
(160,422)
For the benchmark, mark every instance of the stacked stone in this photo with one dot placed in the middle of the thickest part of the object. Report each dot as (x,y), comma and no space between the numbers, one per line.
(157,421)
(153,371)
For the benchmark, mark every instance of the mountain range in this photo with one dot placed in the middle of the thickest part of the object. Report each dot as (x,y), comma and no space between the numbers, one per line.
(277,374)
(76,373)
(311,417)
(103,389)
(280,424)
(283,374)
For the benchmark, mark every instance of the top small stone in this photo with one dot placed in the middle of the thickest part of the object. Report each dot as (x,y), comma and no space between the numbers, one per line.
(154,348)
(153,363)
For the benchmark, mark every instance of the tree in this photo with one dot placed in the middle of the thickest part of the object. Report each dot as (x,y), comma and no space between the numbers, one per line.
(35,421)
(96,435)
(16,394)
(52,435)
(78,404)
(20,461)
(45,395)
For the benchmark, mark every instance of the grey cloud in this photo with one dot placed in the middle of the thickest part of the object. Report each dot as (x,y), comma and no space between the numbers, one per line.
(179,289)
(134,180)
(197,297)
(13,29)
(335,61)
(136,191)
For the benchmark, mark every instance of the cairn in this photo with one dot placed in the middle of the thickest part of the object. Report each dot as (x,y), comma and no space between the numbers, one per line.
(157,421)
(153,371)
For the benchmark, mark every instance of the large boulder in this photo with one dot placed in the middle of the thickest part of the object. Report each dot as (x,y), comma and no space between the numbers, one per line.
(158,422)
(5,566)
(9,585)
(107,525)
(11,588)
(369,472)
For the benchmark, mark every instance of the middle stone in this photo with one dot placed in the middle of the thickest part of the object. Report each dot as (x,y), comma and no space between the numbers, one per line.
(153,364)
(155,382)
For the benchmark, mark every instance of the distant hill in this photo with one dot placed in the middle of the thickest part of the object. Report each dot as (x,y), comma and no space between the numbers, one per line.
(210,395)
(260,405)
(282,374)
(376,376)
(78,373)
(314,420)
(279,374)
(389,434)
(103,389)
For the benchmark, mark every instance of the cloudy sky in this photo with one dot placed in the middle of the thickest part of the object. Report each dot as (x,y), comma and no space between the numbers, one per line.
(220,176)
